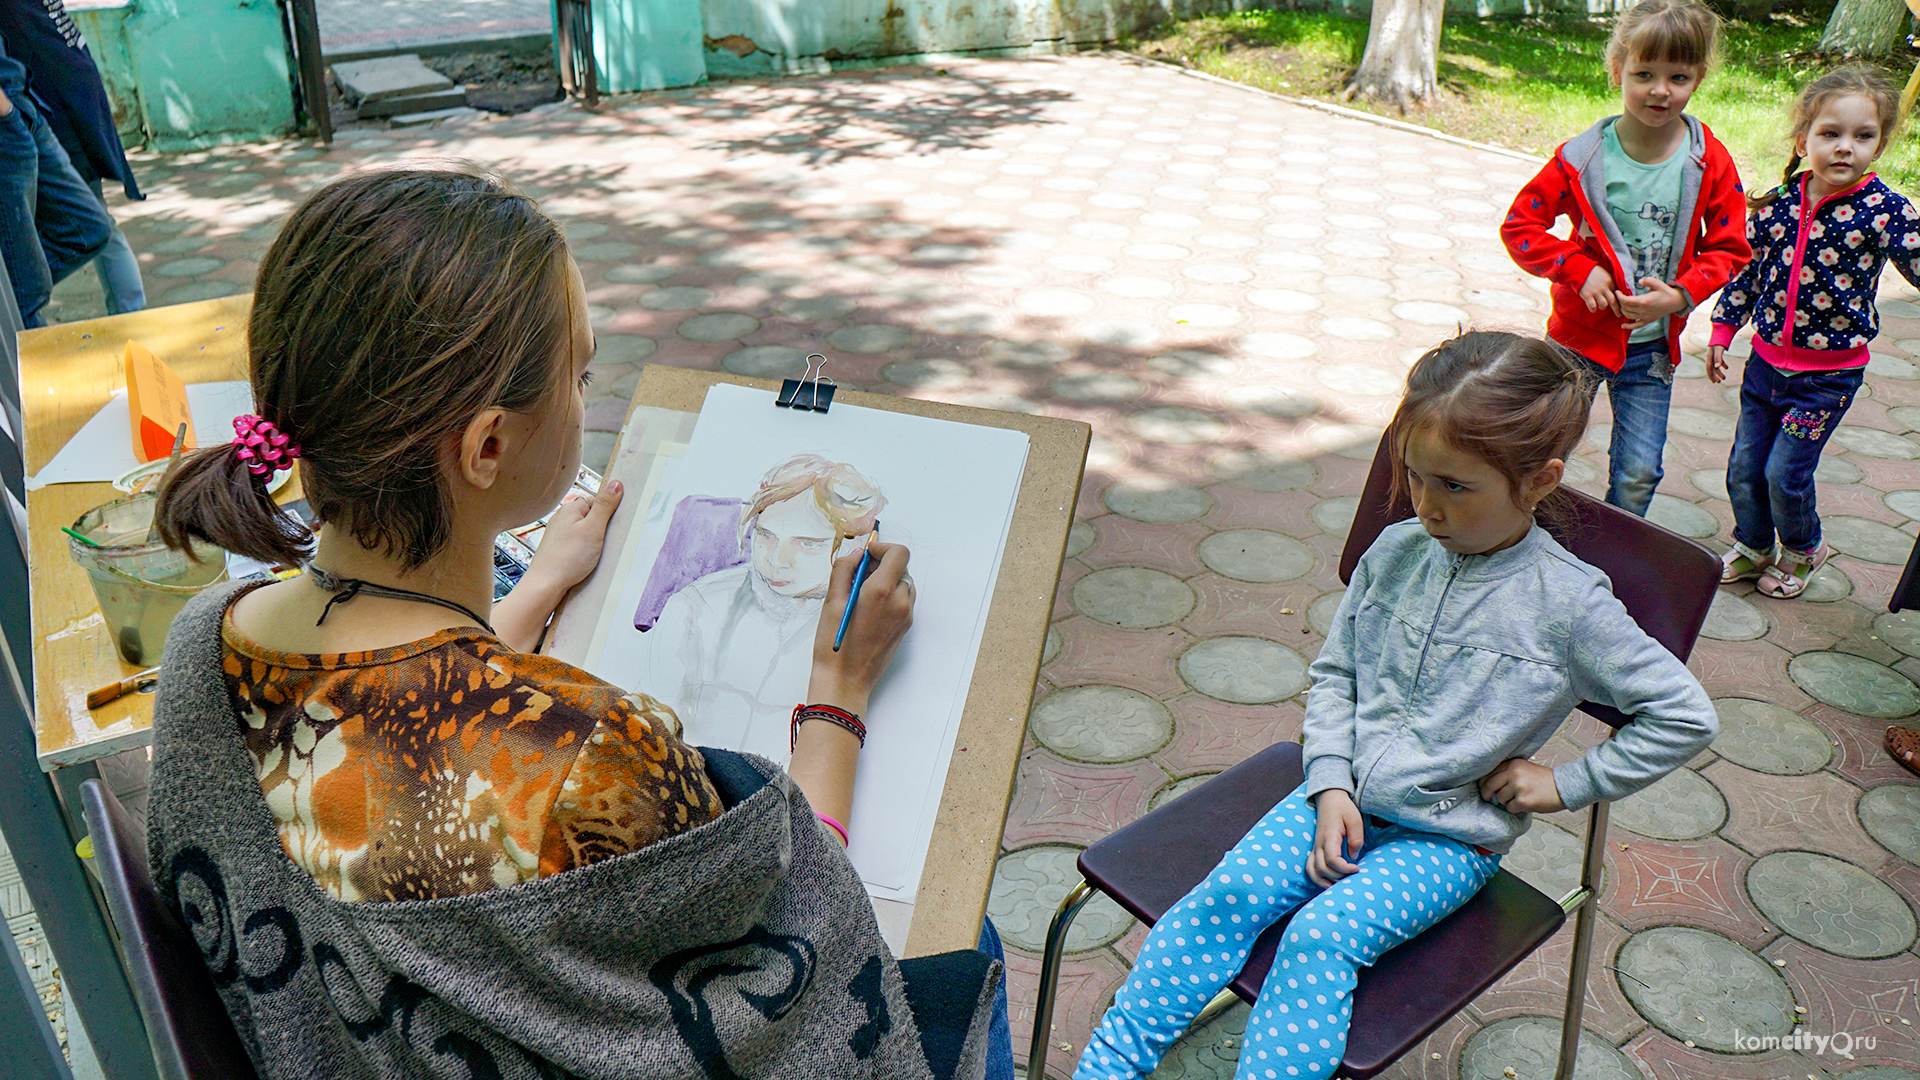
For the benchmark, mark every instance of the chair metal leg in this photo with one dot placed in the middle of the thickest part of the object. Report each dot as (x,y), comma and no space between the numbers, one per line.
(1063,916)
(1582,940)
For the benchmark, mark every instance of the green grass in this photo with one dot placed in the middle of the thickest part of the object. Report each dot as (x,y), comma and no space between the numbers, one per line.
(1526,84)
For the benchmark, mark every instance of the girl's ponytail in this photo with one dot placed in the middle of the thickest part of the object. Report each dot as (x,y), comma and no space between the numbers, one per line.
(1766,198)
(212,496)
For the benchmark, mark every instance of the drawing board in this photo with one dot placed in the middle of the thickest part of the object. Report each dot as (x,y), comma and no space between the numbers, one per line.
(728,573)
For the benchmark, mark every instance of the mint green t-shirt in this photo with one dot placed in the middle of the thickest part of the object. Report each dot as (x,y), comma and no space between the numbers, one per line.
(1643,201)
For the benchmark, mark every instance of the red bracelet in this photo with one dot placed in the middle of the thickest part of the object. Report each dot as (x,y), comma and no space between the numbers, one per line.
(832,715)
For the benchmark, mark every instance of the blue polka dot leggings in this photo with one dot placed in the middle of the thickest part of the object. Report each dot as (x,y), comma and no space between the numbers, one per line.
(1407,881)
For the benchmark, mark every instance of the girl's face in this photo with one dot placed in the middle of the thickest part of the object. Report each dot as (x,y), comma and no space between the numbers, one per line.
(1655,92)
(1841,144)
(1463,502)
(793,547)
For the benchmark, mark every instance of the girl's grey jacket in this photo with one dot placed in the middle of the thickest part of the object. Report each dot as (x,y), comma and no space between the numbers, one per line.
(1441,666)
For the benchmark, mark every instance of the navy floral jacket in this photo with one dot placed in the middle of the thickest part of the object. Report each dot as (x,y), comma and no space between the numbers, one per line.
(1816,270)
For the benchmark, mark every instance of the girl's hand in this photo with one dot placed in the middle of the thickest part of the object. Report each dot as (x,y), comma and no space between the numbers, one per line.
(1338,837)
(1658,299)
(1716,363)
(570,548)
(880,619)
(1519,786)
(1598,292)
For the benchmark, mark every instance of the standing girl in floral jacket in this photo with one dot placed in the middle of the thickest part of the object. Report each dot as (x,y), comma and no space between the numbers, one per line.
(1819,241)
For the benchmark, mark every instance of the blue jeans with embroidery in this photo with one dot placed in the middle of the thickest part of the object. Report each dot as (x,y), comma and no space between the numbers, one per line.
(1784,424)
(1407,881)
(1639,394)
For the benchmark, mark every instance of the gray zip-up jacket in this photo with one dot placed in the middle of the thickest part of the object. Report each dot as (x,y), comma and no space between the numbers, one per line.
(1441,666)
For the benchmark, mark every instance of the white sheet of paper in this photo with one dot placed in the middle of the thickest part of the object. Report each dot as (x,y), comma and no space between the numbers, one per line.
(950,491)
(102,450)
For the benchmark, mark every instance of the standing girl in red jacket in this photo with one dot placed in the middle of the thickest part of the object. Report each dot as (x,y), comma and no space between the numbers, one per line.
(1655,209)
(1823,236)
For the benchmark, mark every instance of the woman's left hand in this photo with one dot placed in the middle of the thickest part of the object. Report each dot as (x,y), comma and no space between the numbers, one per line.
(570,548)
(1519,786)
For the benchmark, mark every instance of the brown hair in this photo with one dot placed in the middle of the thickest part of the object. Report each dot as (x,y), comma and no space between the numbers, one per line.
(393,307)
(1817,95)
(1515,402)
(1666,32)
(849,501)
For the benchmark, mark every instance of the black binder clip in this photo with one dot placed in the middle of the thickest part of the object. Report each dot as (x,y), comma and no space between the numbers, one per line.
(813,390)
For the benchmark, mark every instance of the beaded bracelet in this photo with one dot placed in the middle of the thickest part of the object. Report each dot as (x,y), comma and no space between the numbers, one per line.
(832,715)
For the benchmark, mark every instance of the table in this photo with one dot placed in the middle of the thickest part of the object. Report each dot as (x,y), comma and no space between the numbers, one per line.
(67,373)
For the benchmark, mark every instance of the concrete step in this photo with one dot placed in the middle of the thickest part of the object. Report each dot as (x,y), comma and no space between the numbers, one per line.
(364,81)
(451,98)
(423,119)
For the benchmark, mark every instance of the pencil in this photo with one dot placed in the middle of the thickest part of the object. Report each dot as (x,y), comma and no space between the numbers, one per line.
(859,576)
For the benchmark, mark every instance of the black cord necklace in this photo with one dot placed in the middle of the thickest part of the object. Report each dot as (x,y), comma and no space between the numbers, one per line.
(344,589)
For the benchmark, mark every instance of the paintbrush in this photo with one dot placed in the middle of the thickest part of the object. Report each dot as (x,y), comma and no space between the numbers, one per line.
(117,690)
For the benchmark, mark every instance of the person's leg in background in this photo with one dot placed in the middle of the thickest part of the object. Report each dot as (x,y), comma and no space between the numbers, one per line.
(1639,395)
(19,240)
(1000,1031)
(119,270)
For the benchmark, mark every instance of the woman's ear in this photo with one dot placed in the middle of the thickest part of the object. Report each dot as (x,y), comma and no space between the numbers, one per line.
(1542,483)
(477,457)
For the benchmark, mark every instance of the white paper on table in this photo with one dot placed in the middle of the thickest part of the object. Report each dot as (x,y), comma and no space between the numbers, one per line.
(102,450)
(950,490)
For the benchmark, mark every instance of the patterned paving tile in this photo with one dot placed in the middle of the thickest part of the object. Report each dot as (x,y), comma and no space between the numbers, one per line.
(1699,883)
(1858,752)
(1702,988)
(1830,904)
(1537,986)
(1530,1046)
(1660,1055)
(1076,802)
(1171,547)
(1781,813)
(1754,668)
(1213,735)
(1862,998)
(1085,989)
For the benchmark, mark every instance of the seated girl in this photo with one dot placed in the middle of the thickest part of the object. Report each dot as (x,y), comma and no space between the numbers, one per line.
(407,846)
(1465,638)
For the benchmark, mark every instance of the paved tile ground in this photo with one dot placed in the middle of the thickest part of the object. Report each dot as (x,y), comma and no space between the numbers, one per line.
(1229,288)
(357,25)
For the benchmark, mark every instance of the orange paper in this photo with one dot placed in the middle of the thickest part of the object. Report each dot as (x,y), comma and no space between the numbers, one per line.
(156,403)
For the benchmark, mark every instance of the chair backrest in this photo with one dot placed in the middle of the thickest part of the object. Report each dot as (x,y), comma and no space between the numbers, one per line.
(187,1025)
(1665,580)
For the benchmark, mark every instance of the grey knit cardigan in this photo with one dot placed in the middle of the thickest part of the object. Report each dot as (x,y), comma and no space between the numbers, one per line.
(742,948)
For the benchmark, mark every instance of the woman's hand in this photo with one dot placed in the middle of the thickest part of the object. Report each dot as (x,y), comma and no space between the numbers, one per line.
(568,552)
(570,548)
(880,619)
(1519,786)
(1716,363)
(1336,839)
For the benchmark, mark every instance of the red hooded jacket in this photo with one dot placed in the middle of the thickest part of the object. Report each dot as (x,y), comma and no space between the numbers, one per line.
(1707,254)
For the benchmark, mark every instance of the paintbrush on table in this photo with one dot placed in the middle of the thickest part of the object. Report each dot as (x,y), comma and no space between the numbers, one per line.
(117,690)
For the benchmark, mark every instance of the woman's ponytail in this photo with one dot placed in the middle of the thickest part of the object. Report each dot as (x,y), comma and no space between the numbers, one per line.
(212,496)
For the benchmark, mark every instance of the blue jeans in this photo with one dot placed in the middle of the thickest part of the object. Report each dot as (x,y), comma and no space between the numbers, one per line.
(119,270)
(1639,393)
(50,224)
(999,1032)
(1784,424)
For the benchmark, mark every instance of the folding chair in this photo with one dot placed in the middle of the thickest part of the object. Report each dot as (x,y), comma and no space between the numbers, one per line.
(1666,582)
(187,1025)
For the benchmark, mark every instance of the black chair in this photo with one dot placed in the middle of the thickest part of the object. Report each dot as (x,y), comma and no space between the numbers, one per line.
(187,1026)
(1666,582)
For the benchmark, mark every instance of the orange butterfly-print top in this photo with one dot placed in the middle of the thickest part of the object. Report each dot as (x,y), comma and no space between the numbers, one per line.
(454,765)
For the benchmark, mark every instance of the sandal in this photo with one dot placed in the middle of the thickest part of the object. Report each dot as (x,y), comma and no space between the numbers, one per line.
(1903,746)
(1788,576)
(1738,565)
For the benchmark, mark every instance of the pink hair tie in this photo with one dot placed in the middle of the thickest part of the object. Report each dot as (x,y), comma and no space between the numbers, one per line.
(261,447)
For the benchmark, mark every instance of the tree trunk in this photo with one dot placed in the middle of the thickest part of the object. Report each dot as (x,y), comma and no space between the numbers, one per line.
(1865,28)
(1402,62)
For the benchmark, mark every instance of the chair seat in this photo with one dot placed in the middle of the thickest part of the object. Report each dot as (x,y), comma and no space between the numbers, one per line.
(1147,866)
